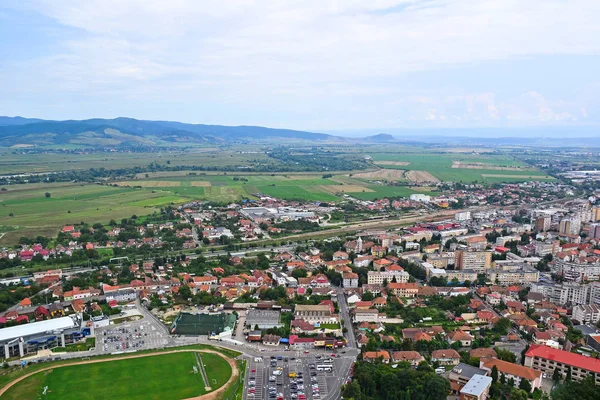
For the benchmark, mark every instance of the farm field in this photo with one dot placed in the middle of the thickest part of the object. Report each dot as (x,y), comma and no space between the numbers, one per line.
(381,191)
(28,212)
(459,167)
(226,188)
(11,163)
(164,377)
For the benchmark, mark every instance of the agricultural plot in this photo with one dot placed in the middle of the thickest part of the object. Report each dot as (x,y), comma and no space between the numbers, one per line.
(457,167)
(29,212)
(227,188)
(11,163)
(164,377)
(381,191)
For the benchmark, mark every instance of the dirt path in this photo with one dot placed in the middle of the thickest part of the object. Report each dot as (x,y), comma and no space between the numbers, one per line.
(209,396)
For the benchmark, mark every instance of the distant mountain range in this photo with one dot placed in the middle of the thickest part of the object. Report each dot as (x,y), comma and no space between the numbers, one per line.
(130,132)
(15,131)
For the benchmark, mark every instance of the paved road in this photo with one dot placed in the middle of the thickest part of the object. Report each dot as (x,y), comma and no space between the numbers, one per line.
(515,347)
(345,315)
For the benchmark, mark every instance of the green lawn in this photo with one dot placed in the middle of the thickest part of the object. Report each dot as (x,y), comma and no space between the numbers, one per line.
(329,326)
(162,377)
(88,344)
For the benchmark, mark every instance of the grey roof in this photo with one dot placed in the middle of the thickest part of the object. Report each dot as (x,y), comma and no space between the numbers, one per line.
(268,316)
(468,370)
(477,385)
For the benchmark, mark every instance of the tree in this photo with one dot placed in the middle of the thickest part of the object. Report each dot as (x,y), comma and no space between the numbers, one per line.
(525,385)
(48,195)
(502,325)
(586,389)
(494,374)
(367,296)
(185,292)
(518,394)
(556,375)
(299,273)
(569,374)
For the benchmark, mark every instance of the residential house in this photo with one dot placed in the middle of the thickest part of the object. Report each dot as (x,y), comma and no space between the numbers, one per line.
(41,313)
(445,357)
(459,336)
(412,357)
(382,355)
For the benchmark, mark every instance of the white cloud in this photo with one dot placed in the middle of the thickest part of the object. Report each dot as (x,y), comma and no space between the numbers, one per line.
(293,51)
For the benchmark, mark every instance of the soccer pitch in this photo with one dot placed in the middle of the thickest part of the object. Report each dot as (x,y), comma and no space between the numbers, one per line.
(164,376)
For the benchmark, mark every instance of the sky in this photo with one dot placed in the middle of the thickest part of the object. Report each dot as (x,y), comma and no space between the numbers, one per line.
(320,65)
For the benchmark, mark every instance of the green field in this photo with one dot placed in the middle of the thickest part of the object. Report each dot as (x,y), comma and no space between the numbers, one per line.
(11,163)
(226,188)
(27,210)
(505,168)
(161,377)
(381,191)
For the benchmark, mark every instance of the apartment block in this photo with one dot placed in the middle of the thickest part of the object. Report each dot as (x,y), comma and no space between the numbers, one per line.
(546,359)
(377,277)
(476,260)
(586,314)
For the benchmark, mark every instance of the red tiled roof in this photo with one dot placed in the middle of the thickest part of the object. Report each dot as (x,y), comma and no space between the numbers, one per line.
(565,357)
(513,369)
(446,353)
(376,354)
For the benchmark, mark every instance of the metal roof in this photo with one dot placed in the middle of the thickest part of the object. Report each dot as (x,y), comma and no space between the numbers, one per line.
(56,324)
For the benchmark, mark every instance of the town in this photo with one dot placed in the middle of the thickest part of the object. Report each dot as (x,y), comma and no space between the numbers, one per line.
(299,200)
(484,301)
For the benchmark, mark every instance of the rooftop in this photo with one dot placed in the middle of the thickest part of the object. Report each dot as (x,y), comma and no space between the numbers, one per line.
(56,324)
(512,369)
(255,315)
(477,385)
(467,370)
(564,357)
(303,307)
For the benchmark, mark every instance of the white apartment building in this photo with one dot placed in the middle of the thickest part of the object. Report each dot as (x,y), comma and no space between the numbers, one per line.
(513,277)
(574,272)
(586,314)
(570,226)
(543,248)
(462,275)
(377,277)
(564,293)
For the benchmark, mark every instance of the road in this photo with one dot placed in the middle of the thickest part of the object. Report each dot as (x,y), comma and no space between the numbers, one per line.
(345,315)
(515,348)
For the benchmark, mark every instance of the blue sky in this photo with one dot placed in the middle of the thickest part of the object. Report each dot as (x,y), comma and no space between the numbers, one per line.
(319,65)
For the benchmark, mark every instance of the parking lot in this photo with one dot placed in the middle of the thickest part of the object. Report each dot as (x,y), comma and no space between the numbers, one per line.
(293,375)
(130,336)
